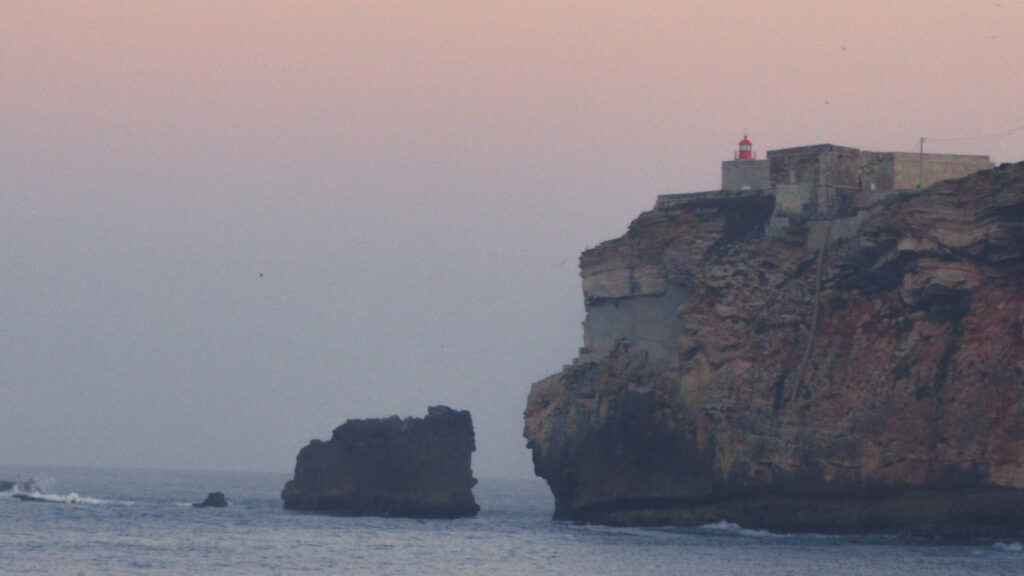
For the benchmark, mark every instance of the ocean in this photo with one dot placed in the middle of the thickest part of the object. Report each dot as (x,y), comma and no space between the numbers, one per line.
(117,521)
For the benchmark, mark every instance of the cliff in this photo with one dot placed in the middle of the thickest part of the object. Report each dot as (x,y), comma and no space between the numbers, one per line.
(875,384)
(412,467)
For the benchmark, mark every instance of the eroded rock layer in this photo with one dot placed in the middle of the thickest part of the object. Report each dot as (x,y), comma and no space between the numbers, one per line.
(876,384)
(412,467)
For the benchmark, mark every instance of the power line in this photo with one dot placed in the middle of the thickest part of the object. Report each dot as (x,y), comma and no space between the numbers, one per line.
(993,136)
(982,138)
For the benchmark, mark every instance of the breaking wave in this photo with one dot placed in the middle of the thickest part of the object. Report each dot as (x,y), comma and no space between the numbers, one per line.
(1009,546)
(31,492)
(730,528)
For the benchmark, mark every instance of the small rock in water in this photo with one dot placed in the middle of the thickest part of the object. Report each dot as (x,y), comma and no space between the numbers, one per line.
(213,500)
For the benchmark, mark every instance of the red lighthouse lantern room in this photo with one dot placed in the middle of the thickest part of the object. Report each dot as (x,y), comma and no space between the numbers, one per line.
(746,151)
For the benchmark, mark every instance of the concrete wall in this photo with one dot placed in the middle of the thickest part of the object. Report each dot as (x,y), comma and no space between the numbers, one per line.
(834,230)
(650,322)
(666,201)
(640,280)
(792,199)
(911,169)
(745,174)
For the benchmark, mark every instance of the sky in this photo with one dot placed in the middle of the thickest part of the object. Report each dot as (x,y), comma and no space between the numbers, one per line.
(228,227)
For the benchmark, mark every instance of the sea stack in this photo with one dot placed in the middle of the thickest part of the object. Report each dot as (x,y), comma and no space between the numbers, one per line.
(411,467)
(828,353)
(213,500)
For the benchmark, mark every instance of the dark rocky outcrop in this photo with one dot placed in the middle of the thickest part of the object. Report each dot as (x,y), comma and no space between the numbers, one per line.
(29,485)
(412,467)
(874,385)
(213,500)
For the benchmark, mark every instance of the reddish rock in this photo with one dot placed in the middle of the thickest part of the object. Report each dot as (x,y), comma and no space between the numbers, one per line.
(877,385)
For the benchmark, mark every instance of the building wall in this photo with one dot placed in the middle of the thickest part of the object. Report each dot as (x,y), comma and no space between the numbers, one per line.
(836,181)
(824,164)
(911,169)
(822,179)
(793,199)
(876,179)
(745,174)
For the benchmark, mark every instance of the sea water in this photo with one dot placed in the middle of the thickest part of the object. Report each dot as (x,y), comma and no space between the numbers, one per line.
(113,521)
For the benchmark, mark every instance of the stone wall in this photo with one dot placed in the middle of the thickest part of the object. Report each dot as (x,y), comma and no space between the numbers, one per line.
(668,201)
(822,178)
(823,164)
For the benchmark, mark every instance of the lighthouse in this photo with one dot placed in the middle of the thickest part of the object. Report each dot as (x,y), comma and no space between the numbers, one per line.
(745,171)
(746,151)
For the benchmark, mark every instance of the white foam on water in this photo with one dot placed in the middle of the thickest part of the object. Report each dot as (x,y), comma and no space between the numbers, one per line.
(70,498)
(731,528)
(1009,546)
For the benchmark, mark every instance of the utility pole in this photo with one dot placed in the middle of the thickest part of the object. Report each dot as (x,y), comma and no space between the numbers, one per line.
(920,165)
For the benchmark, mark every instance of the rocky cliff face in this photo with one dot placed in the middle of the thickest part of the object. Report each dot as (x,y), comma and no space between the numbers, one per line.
(412,467)
(877,384)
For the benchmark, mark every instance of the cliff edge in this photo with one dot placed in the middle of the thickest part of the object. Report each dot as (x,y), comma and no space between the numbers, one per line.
(875,383)
(412,467)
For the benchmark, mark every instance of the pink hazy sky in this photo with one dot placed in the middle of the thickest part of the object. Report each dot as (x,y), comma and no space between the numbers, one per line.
(414,182)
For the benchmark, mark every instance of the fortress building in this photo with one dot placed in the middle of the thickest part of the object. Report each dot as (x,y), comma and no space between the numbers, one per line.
(828,181)
(830,186)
